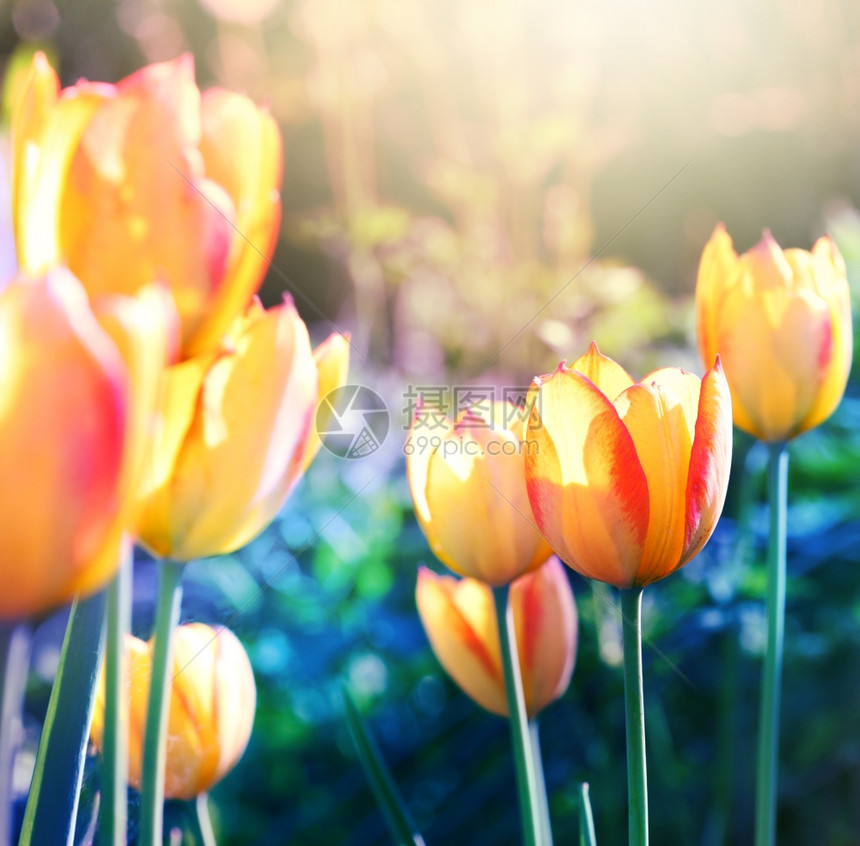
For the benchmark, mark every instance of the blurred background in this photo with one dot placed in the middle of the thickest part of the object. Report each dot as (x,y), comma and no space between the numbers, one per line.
(475,190)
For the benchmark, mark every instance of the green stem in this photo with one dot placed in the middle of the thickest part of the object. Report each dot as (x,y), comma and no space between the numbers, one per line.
(397,817)
(113,808)
(768,746)
(155,742)
(634,708)
(586,819)
(530,801)
(537,759)
(14,661)
(199,822)
(55,790)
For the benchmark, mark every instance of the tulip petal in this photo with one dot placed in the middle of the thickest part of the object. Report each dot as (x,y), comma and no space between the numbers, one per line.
(332,360)
(420,446)
(830,282)
(459,618)
(546,623)
(236,699)
(784,335)
(139,669)
(137,207)
(662,431)
(609,376)
(247,439)
(193,746)
(767,264)
(586,485)
(241,150)
(145,331)
(710,462)
(64,394)
(717,265)
(47,130)
(475,491)
(178,403)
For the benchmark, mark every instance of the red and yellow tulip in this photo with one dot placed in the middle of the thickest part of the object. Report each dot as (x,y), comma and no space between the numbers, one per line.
(627,479)
(236,424)
(212,703)
(77,392)
(781,323)
(469,492)
(460,620)
(145,181)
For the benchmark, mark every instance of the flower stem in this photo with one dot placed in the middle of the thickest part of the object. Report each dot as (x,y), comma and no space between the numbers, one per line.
(388,797)
(768,746)
(529,796)
(545,823)
(586,818)
(199,822)
(634,707)
(14,659)
(52,805)
(113,808)
(155,742)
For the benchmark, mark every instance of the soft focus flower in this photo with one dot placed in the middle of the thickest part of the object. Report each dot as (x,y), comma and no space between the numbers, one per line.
(781,323)
(469,492)
(460,620)
(627,480)
(76,396)
(211,714)
(144,181)
(332,360)
(234,435)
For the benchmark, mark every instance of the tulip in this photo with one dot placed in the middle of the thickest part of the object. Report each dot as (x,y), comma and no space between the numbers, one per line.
(470,495)
(144,181)
(332,362)
(460,621)
(75,397)
(212,706)
(234,434)
(781,322)
(627,480)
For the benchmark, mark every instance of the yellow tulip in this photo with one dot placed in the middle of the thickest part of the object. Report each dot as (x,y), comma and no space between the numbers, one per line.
(332,361)
(76,396)
(627,479)
(781,323)
(460,620)
(235,427)
(469,492)
(148,181)
(211,712)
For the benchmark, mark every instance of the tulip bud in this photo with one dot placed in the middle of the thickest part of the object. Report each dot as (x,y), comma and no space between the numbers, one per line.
(627,480)
(235,424)
(460,620)
(75,403)
(212,702)
(146,181)
(781,323)
(469,492)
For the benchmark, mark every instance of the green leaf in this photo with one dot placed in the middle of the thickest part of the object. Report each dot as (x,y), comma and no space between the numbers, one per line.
(379,776)
(53,802)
